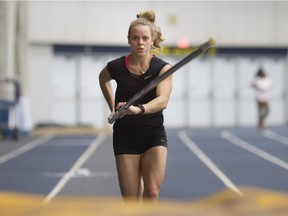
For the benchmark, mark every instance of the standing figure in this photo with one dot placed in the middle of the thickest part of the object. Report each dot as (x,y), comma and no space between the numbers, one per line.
(262,85)
(139,136)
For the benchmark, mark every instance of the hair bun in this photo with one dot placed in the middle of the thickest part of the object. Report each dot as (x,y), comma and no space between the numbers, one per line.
(148,15)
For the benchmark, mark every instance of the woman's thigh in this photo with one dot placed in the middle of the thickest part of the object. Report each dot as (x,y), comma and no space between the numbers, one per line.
(129,173)
(153,166)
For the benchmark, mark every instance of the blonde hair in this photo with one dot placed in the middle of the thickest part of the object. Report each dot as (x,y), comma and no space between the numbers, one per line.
(148,18)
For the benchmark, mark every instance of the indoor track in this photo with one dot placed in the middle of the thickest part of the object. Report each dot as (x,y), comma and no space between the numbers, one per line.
(201,164)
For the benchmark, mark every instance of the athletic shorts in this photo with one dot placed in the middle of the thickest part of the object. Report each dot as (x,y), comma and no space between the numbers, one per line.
(138,145)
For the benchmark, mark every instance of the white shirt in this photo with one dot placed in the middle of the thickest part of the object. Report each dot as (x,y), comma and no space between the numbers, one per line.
(262,86)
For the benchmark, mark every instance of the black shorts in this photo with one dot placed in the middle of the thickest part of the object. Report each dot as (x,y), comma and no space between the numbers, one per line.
(138,145)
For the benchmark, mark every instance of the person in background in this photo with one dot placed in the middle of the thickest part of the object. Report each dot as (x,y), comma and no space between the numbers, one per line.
(139,136)
(262,85)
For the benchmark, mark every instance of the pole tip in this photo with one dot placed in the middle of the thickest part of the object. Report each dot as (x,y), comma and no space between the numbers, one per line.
(212,42)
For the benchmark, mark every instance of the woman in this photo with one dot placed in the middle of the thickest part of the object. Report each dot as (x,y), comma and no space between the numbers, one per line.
(139,137)
(262,85)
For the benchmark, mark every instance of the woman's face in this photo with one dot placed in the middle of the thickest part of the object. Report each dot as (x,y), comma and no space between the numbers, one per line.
(140,39)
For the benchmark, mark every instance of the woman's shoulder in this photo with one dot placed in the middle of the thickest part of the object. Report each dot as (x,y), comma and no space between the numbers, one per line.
(117,60)
(159,62)
(157,65)
(115,63)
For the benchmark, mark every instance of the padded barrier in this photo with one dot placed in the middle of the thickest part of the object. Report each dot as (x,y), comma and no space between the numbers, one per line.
(254,202)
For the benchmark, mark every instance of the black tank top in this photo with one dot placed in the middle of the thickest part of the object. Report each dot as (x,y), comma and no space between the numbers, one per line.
(128,84)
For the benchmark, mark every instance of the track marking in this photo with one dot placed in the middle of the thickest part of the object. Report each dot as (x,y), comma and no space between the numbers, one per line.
(83,158)
(25,148)
(249,147)
(201,155)
(82,172)
(276,137)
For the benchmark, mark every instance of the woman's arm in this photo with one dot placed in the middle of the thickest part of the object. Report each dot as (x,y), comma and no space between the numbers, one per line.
(106,88)
(163,92)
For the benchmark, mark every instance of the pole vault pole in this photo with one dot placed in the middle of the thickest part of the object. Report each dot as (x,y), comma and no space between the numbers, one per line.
(201,49)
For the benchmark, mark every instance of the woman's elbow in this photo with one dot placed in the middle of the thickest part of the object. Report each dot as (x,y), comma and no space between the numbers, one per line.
(164,103)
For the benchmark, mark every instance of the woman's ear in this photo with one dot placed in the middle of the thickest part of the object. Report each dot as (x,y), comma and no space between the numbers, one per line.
(151,45)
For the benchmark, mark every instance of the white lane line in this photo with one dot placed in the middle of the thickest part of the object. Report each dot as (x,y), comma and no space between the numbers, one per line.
(89,151)
(247,146)
(276,137)
(201,155)
(25,148)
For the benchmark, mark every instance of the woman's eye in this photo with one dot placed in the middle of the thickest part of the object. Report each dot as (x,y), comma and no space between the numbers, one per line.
(136,38)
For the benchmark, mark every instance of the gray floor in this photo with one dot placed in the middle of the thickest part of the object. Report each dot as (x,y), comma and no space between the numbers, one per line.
(200,163)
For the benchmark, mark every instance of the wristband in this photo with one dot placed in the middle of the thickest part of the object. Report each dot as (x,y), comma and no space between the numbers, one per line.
(142,109)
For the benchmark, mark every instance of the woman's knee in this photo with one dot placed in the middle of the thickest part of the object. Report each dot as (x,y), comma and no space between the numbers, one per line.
(151,193)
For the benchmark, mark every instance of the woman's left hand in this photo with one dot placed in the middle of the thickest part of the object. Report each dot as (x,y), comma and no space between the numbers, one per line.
(132,110)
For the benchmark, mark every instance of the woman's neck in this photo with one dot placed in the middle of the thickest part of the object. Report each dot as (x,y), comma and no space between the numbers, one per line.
(140,60)
(140,64)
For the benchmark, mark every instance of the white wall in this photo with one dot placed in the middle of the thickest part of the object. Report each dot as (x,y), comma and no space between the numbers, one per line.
(206,92)
(40,87)
(7,39)
(2,40)
(235,23)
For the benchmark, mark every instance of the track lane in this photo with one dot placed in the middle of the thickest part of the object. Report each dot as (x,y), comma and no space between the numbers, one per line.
(186,176)
(28,173)
(241,166)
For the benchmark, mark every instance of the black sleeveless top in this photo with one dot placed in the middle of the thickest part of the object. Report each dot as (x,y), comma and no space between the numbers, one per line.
(128,84)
